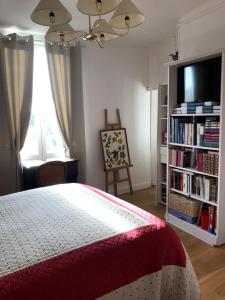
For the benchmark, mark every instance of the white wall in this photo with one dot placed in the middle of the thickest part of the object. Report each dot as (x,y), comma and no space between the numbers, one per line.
(154,132)
(159,55)
(203,30)
(116,77)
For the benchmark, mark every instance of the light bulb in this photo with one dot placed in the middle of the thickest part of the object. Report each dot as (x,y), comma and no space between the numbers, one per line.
(127,21)
(99,5)
(102,38)
(62,37)
(52,17)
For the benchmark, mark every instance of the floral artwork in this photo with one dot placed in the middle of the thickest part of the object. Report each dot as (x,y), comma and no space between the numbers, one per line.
(115,148)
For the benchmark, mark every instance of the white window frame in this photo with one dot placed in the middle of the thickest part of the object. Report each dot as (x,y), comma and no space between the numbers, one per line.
(42,149)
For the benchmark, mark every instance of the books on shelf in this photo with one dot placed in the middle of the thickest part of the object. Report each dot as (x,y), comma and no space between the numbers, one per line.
(184,208)
(207,218)
(205,188)
(198,108)
(181,181)
(197,186)
(208,133)
(182,157)
(194,212)
(182,131)
(208,162)
(204,110)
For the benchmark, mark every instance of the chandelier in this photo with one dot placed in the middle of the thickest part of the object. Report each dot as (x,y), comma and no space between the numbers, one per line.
(53,13)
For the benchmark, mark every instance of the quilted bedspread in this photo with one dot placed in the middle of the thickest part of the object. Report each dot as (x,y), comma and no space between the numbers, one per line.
(75,242)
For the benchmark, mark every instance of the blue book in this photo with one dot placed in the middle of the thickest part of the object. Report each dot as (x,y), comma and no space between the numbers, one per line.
(191,104)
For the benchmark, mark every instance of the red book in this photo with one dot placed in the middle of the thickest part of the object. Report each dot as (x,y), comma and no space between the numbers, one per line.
(204,220)
(200,162)
(212,218)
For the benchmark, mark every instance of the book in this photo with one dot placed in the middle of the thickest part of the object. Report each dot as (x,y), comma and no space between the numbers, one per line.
(204,109)
(211,103)
(212,218)
(192,104)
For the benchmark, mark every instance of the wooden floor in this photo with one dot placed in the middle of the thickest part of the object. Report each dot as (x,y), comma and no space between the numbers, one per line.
(208,262)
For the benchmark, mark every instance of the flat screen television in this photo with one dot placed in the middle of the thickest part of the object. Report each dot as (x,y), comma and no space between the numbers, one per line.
(200,82)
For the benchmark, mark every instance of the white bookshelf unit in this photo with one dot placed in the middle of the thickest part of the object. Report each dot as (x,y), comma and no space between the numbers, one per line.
(161,190)
(218,236)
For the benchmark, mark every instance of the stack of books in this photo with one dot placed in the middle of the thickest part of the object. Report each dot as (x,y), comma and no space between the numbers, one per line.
(208,162)
(182,131)
(181,181)
(205,187)
(198,108)
(187,108)
(208,134)
(185,158)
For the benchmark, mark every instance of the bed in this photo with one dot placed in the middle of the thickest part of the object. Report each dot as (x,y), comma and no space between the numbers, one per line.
(75,242)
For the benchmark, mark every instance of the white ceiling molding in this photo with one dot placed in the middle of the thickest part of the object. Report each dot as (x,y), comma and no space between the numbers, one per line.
(202,11)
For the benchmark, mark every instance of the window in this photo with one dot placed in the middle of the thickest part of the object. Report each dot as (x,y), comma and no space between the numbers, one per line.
(44,139)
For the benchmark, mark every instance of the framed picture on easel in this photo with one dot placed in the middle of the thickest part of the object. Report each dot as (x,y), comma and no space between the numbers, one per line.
(115,149)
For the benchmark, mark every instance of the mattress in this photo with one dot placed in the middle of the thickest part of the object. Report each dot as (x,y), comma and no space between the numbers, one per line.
(73,241)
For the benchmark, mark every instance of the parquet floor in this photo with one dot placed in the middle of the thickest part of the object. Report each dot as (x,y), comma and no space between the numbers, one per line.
(208,262)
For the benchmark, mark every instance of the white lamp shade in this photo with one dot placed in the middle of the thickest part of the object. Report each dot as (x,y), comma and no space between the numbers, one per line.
(103,27)
(41,13)
(54,32)
(127,9)
(89,7)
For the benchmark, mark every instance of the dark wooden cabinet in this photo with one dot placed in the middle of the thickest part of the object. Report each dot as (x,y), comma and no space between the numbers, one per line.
(29,172)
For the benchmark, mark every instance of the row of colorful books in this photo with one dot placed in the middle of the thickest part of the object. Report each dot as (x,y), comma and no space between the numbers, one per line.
(196,185)
(198,108)
(182,157)
(208,162)
(205,187)
(182,131)
(208,133)
(181,181)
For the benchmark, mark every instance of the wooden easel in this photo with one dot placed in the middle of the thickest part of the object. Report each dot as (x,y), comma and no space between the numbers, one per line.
(115,172)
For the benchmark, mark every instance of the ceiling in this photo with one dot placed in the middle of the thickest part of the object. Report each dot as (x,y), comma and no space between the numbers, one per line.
(161,18)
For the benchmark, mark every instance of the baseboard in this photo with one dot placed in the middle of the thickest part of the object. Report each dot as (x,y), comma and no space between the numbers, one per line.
(124,188)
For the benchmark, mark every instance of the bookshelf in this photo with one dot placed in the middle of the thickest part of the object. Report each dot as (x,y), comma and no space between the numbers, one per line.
(201,174)
(161,190)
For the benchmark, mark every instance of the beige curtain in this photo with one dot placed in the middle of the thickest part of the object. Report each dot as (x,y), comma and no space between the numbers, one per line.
(16,62)
(60,76)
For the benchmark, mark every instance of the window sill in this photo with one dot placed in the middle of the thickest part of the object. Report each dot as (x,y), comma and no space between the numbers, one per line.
(35,163)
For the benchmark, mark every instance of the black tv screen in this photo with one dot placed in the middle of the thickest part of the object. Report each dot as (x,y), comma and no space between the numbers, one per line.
(200,81)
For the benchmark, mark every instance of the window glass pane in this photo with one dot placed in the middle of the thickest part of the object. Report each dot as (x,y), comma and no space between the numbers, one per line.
(43,129)
(31,147)
(53,139)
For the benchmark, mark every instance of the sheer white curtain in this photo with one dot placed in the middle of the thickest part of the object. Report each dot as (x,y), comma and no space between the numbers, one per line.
(16,61)
(60,76)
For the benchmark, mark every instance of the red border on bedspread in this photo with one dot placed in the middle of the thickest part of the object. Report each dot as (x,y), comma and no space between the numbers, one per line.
(99,268)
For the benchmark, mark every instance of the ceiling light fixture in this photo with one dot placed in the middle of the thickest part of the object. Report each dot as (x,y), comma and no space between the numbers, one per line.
(54,14)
